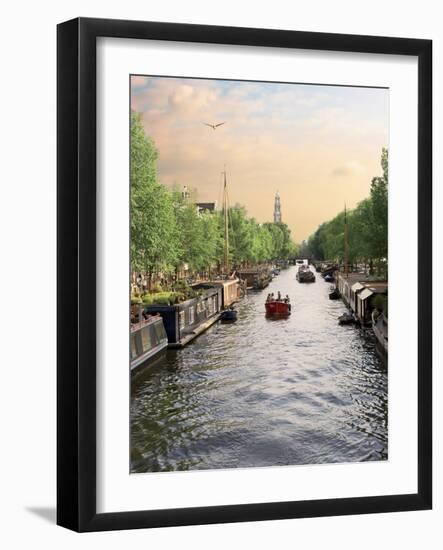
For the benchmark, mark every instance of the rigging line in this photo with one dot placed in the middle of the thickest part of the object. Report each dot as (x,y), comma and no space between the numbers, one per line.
(230,220)
(220,186)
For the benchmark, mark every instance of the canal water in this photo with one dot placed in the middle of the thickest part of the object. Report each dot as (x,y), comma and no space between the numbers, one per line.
(261,392)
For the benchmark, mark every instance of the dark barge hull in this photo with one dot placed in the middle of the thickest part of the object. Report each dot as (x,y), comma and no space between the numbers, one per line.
(187,320)
(148,341)
(196,332)
(304,279)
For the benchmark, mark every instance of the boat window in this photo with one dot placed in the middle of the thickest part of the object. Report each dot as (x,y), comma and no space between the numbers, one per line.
(181,319)
(133,347)
(191,315)
(153,335)
(146,339)
(160,331)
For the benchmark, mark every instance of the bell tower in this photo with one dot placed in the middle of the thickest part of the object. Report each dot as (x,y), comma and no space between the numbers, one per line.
(277,209)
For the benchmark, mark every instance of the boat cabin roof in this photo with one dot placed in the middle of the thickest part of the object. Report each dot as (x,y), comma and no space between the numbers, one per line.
(151,319)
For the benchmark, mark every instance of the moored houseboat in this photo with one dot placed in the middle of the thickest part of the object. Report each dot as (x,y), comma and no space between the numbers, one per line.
(366,300)
(256,278)
(186,320)
(347,318)
(148,340)
(334,294)
(328,270)
(232,290)
(358,292)
(305,275)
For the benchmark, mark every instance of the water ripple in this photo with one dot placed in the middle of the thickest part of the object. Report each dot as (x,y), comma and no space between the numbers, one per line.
(259,392)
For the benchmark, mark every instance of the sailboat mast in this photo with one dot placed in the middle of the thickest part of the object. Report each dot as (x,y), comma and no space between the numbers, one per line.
(346,245)
(225,212)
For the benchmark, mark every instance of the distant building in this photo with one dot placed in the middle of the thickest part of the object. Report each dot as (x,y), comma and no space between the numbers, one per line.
(206,207)
(277,209)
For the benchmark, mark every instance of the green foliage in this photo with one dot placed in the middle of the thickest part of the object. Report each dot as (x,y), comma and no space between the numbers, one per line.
(367,228)
(181,292)
(156,287)
(163,298)
(380,302)
(154,235)
(241,235)
(167,231)
(379,200)
(184,291)
(199,235)
(282,245)
(252,242)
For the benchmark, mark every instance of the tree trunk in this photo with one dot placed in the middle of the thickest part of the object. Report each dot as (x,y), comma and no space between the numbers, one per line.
(150,273)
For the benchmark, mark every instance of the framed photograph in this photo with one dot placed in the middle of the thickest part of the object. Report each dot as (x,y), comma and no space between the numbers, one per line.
(242,214)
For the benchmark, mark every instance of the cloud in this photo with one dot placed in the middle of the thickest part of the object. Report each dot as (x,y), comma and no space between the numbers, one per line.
(317,145)
(190,99)
(349,168)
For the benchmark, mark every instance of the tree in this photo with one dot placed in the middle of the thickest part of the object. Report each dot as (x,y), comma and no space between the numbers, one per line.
(379,200)
(167,230)
(282,245)
(359,231)
(241,236)
(200,234)
(367,228)
(154,235)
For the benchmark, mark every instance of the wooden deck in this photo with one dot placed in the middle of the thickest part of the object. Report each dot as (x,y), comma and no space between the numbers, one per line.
(199,330)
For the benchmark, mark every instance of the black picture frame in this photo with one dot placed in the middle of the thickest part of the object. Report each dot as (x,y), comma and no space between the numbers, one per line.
(76,280)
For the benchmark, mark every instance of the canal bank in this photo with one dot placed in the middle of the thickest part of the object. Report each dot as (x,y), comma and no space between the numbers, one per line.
(264,392)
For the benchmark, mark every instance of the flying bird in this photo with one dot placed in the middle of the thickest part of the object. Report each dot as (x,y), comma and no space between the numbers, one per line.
(214,126)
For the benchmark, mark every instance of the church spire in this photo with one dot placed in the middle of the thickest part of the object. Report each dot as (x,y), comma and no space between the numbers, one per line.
(277,209)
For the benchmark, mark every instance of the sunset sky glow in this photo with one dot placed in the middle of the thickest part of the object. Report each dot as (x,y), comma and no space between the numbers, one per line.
(318,146)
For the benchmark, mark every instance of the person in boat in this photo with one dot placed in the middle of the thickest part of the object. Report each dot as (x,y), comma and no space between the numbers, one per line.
(287,301)
(278,296)
(268,299)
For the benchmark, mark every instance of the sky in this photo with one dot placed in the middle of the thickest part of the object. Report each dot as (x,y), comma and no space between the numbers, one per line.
(318,146)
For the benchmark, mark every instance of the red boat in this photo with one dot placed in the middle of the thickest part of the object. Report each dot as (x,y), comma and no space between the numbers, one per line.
(277,308)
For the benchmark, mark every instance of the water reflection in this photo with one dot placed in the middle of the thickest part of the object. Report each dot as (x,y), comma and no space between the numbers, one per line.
(264,392)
